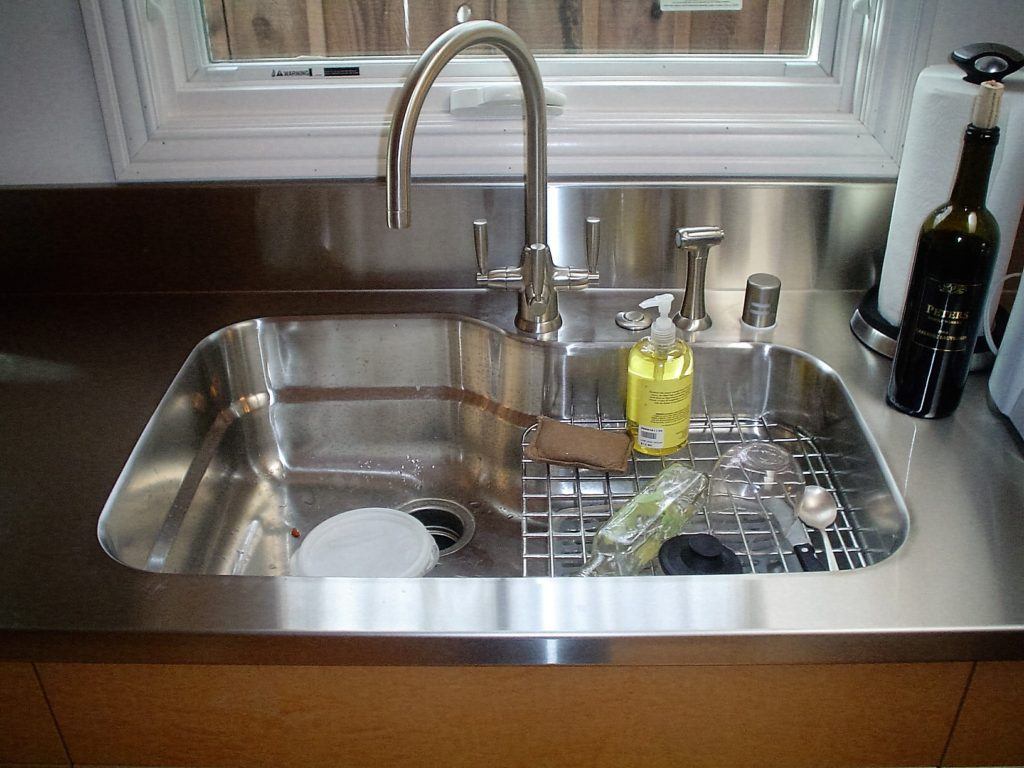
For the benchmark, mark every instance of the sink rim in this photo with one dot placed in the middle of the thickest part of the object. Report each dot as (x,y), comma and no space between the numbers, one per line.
(459,318)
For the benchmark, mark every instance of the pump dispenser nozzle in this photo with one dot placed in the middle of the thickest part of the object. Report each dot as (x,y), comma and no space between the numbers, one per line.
(663,331)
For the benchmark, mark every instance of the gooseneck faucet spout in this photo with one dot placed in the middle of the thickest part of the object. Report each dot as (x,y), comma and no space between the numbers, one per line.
(407,113)
(536,278)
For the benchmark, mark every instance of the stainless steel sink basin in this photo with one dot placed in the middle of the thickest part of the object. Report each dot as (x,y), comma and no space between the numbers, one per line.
(274,425)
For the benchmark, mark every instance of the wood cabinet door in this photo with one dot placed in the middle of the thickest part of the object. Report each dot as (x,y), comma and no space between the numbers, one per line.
(697,716)
(990,727)
(27,731)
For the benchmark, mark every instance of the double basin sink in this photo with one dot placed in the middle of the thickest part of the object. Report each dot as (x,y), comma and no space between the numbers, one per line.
(274,425)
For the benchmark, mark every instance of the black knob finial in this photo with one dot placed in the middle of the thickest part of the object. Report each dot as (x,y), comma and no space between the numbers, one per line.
(987,61)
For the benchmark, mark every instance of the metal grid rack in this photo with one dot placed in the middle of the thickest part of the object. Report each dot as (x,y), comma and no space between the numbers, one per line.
(563,507)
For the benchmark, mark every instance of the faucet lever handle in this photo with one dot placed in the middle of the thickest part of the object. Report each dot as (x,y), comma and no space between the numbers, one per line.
(593,243)
(480,244)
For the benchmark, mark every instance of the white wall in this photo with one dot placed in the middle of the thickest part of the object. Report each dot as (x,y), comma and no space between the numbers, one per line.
(51,128)
(959,22)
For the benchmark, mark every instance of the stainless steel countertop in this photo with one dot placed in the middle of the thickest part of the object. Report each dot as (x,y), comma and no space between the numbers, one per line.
(80,376)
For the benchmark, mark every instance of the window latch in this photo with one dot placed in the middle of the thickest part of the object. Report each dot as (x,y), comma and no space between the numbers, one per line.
(499,102)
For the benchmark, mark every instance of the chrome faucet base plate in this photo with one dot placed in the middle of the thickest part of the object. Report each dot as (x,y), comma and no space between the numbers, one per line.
(692,325)
(539,328)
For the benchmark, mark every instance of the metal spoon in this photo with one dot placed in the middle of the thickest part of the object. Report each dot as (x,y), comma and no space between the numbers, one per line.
(817,509)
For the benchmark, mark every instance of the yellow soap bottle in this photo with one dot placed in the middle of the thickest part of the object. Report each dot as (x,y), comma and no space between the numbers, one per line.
(659,386)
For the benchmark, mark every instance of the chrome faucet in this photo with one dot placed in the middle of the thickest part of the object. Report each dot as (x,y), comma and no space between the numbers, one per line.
(537,278)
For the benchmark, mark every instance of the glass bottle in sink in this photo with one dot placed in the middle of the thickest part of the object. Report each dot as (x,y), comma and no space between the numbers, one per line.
(633,535)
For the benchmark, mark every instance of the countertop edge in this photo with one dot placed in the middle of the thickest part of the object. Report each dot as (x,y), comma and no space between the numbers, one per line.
(885,647)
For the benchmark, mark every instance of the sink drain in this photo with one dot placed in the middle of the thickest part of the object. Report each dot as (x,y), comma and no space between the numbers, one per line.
(451,524)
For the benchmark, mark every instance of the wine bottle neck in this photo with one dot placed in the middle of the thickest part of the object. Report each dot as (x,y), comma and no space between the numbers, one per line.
(971,184)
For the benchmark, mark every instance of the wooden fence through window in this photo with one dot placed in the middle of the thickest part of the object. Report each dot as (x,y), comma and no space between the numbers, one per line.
(255,29)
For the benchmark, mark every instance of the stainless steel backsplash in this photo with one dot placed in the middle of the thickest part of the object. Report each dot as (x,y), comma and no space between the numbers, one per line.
(287,236)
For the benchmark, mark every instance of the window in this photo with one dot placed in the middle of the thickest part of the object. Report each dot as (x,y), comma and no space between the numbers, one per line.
(245,31)
(217,89)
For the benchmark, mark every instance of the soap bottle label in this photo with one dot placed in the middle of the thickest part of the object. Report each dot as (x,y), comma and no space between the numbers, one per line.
(650,437)
(662,412)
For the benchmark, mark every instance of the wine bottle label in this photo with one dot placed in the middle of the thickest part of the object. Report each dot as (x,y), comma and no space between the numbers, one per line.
(946,313)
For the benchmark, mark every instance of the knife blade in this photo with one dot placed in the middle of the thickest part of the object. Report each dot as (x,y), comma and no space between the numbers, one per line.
(795,534)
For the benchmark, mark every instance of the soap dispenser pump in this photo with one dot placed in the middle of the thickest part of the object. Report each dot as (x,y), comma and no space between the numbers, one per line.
(659,385)
(663,330)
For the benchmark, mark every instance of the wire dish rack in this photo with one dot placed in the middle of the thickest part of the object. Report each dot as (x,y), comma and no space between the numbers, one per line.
(564,507)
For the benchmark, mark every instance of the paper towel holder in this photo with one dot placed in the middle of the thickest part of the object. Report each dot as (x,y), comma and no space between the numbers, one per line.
(987,61)
(980,62)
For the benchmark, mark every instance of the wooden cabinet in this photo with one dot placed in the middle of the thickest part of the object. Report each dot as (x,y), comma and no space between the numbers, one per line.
(28,734)
(990,727)
(799,715)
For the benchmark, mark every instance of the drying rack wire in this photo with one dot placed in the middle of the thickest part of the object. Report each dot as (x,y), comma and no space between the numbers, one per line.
(563,507)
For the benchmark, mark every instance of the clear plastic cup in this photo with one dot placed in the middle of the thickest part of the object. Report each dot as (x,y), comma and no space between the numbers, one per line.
(757,470)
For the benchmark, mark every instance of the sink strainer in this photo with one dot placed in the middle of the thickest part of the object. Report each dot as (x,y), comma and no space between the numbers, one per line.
(451,524)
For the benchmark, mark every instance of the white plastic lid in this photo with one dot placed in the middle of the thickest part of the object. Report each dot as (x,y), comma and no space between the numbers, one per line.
(663,330)
(368,542)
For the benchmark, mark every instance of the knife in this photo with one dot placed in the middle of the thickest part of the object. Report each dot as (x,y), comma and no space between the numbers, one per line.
(795,534)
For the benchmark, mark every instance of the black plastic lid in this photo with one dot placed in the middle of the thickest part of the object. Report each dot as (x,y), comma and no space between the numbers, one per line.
(987,61)
(698,554)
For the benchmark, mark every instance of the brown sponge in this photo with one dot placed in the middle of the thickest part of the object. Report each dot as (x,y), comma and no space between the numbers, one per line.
(570,446)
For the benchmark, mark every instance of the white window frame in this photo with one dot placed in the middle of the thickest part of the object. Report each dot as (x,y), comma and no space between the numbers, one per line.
(170,115)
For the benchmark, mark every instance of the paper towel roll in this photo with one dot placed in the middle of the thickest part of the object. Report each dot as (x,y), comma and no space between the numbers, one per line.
(1006,384)
(939,113)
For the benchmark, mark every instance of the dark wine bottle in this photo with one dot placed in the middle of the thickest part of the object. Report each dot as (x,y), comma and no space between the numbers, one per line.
(945,303)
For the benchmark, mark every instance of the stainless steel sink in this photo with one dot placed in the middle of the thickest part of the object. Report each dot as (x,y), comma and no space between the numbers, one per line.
(274,425)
